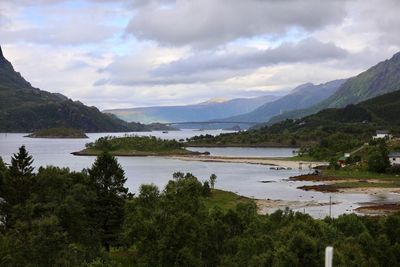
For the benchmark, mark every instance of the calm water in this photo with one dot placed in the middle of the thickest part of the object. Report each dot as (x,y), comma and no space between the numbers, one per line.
(243,179)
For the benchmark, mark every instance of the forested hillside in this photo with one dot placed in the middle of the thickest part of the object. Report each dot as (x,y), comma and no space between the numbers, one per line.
(302,96)
(24,108)
(339,129)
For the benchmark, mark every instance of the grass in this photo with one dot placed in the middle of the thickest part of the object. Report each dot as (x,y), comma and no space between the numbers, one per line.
(302,158)
(362,184)
(224,200)
(360,174)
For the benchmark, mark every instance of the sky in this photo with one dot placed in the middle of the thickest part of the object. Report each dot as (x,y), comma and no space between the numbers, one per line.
(131,53)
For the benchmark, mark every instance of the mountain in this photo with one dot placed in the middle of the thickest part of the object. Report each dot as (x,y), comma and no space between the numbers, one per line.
(210,110)
(24,108)
(382,110)
(377,80)
(339,129)
(302,96)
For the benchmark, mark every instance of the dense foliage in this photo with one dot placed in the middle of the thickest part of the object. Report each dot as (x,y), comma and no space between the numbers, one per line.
(66,218)
(56,217)
(131,143)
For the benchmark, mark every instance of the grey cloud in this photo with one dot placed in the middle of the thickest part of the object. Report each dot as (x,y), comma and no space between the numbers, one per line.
(210,66)
(308,50)
(201,78)
(208,22)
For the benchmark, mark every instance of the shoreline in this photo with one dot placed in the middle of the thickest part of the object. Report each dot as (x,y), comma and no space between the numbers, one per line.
(281,162)
(55,137)
(331,184)
(277,145)
(136,154)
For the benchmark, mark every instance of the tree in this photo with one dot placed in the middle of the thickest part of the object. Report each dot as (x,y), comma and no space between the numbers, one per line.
(213,179)
(377,162)
(108,179)
(21,163)
(18,181)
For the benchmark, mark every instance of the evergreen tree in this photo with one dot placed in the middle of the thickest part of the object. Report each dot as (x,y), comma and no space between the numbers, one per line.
(108,179)
(21,164)
(19,180)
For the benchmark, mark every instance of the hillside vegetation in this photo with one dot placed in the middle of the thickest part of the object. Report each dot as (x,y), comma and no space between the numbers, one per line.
(380,79)
(133,145)
(58,133)
(24,108)
(332,130)
(303,96)
(55,217)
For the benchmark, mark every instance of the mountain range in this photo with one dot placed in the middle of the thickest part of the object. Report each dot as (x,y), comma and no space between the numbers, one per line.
(303,96)
(24,108)
(382,78)
(210,110)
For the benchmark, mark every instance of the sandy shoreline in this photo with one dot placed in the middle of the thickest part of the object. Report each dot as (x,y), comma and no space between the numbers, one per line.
(327,184)
(269,205)
(252,160)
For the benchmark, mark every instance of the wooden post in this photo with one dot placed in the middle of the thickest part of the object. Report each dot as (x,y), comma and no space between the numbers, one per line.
(328,256)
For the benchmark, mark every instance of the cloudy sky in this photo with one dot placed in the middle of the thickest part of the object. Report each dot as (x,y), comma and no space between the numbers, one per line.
(129,53)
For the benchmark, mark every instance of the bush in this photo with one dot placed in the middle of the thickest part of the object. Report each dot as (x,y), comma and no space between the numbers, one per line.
(377,162)
(395,169)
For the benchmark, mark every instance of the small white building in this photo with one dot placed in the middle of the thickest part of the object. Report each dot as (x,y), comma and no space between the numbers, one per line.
(394,158)
(382,134)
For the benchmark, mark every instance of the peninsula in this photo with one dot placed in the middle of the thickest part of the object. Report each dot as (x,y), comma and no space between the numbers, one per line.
(133,145)
(58,133)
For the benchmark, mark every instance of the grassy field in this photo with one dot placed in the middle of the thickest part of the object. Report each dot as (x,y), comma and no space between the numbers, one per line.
(224,200)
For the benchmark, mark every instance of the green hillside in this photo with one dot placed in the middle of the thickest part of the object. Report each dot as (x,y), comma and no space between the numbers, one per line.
(24,108)
(303,96)
(338,130)
(378,80)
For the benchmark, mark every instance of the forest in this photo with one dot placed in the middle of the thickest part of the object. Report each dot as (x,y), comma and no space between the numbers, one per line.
(52,216)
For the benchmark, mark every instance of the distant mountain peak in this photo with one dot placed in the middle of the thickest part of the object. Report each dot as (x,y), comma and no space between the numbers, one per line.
(1,53)
(394,57)
(215,100)
(301,87)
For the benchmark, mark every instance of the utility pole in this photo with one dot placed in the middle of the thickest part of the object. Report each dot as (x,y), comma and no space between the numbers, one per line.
(330,206)
(328,256)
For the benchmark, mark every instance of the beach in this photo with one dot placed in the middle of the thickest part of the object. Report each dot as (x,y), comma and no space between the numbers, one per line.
(277,162)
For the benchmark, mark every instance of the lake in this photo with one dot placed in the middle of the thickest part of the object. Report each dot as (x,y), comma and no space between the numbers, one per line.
(241,178)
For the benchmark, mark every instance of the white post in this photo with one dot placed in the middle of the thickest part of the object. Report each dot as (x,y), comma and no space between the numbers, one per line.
(328,256)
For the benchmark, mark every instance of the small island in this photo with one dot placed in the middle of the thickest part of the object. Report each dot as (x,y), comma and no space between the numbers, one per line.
(60,132)
(133,145)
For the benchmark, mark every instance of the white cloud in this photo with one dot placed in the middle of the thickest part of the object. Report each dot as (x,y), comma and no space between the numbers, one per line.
(120,53)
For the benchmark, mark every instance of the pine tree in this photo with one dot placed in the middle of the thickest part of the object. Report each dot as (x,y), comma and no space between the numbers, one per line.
(108,179)
(21,177)
(21,164)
